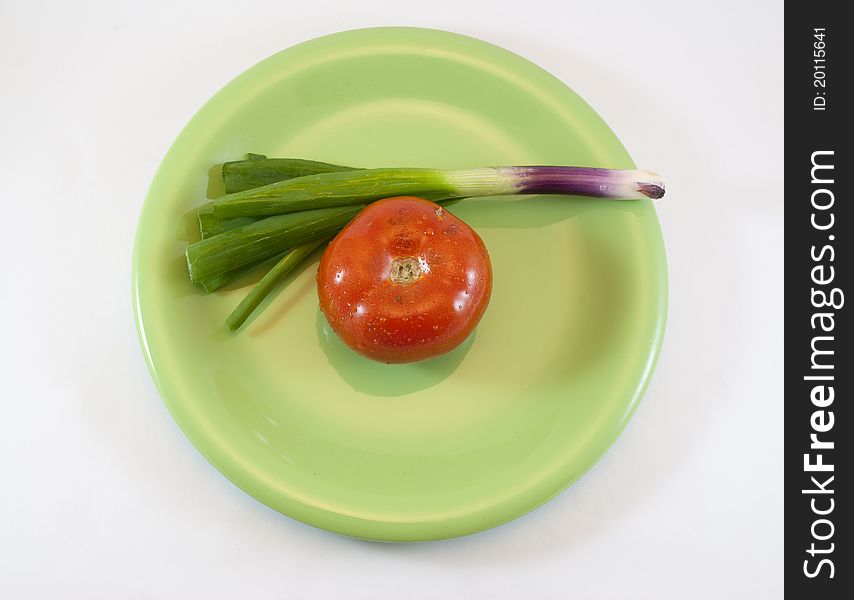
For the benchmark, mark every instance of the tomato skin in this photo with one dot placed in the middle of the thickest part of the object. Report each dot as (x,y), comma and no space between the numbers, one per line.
(404,281)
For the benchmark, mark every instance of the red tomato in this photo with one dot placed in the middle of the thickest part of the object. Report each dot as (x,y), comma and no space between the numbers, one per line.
(405,280)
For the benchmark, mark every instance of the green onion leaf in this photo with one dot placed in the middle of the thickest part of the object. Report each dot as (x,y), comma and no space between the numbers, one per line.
(259,240)
(284,265)
(258,170)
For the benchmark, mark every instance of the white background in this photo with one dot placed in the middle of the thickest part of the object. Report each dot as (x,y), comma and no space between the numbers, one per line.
(101,496)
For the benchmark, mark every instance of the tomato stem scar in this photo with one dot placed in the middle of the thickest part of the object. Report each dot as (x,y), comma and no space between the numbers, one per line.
(404,270)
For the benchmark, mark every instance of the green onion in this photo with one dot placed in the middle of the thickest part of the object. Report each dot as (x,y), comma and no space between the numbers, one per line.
(285,265)
(211,225)
(277,211)
(366,185)
(258,170)
(255,171)
(327,189)
(212,284)
(253,242)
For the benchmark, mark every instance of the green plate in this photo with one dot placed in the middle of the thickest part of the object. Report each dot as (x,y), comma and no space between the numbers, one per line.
(453,445)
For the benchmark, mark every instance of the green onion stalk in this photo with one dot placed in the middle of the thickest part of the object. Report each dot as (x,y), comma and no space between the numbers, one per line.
(259,170)
(248,244)
(278,211)
(213,283)
(357,187)
(287,263)
(255,171)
